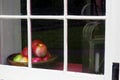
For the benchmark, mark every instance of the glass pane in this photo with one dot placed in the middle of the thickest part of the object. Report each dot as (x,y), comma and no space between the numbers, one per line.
(13,40)
(86,7)
(47,44)
(23,7)
(47,7)
(86,46)
(13,7)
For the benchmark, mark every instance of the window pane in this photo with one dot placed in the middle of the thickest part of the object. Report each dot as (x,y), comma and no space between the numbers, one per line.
(50,34)
(23,7)
(86,46)
(47,7)
(13,39)
(86,7)
(13,7)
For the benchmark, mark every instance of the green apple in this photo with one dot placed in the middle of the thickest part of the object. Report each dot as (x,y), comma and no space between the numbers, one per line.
(17,58)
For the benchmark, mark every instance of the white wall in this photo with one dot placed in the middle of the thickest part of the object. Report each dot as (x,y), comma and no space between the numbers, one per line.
(10,30)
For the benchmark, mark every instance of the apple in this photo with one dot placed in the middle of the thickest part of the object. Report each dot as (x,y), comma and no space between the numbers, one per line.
(36,42)
(40,50)
(47,57)
(24,59)
(17,58)
(25,52)
(36,59)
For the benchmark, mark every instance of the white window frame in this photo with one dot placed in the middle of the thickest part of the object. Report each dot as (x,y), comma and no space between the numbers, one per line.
(23,73)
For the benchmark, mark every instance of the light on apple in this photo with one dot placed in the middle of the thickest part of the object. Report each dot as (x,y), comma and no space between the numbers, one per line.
(40,50)
(36,42)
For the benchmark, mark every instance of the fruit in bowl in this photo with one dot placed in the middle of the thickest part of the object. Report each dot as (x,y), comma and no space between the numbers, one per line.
(47,57)
(40,56)
(25,52)
(17,58)
(24,60)
(36,42)
(37,62)
(36,59)
(40,50)
(20,58)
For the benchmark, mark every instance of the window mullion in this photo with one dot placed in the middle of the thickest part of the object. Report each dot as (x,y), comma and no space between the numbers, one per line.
(65,37)
(29,33)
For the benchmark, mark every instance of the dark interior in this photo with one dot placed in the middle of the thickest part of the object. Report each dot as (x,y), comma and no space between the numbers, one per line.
(51,31)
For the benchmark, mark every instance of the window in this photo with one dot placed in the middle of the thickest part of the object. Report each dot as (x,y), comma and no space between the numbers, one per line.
(73,33)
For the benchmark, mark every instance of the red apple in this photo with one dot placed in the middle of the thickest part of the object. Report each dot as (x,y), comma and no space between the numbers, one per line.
(36,59)
(40,50)
(36,42)
(47,57)
(25,52)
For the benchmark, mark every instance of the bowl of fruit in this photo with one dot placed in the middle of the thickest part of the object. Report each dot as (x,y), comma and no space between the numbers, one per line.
(41,57)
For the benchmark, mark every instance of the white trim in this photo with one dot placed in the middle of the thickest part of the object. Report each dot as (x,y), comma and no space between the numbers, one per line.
(87,17)
(31,73)
(10,7)
(109,41)
(65,36)
(12,17)
(116,24)
(52,17)
(29,42)
(29,34)
(7,29)
(24,73)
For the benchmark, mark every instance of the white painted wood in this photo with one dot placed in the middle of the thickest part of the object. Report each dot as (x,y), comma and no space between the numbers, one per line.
(23,73)
(116,24)
(65,36)
(10,30)
(10,7)
(10,34)
(10,38)
(109,41)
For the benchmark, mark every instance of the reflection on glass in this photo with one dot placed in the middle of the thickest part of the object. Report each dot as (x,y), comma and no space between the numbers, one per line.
(48,53)
(86,46)
(47,7)
(86,7)
(13,40)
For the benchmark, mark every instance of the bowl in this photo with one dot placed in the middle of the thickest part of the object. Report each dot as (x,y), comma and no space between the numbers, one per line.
(44,64)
